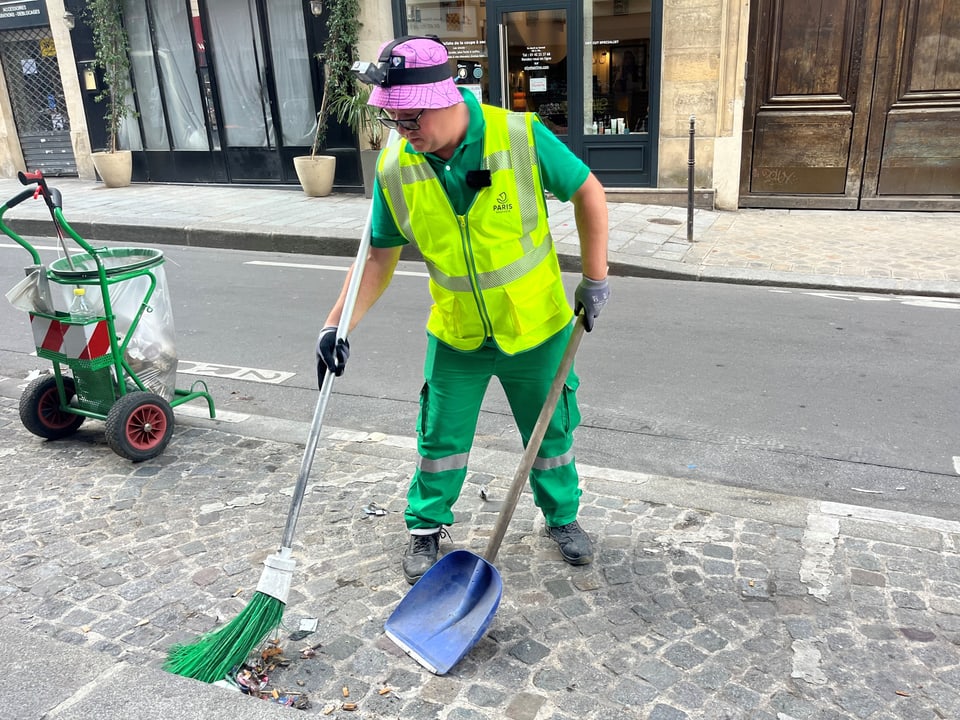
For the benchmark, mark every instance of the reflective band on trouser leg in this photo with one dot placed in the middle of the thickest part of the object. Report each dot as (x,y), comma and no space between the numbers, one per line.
(434,489)
(556,487)
(449,405)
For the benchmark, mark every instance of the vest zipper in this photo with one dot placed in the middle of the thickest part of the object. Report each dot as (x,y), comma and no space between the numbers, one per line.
(472,273)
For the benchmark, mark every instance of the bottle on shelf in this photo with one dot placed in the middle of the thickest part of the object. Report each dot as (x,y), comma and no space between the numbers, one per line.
(80,310)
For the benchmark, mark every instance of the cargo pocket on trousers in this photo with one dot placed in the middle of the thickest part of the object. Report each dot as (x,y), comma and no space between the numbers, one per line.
(571,410)
(424,406)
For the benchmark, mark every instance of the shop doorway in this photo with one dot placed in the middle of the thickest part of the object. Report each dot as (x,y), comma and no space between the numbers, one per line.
(535,66)
(30,68)
(853,104)
(588,69)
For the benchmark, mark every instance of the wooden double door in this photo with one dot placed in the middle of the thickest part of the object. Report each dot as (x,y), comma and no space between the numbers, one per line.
(853,104)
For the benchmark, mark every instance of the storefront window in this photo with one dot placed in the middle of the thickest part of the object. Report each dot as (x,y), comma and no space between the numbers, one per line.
(616,66)
(175,91)
(462,27)
(288,45)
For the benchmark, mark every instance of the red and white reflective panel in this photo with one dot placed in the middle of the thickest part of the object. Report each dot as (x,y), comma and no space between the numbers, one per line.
(80,342)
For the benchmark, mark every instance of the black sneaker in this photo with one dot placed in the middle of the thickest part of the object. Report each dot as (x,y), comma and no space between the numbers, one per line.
(575,545)
(421,554)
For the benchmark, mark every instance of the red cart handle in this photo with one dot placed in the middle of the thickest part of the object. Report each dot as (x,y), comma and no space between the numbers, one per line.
(51,196)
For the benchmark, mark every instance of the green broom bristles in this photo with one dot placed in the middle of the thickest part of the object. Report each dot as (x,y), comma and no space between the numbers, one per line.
(215,654)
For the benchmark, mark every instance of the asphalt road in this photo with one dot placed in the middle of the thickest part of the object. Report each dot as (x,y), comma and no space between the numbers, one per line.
(842,397)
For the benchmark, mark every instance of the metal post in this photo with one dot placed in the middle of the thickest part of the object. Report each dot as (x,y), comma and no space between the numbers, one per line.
(691,163)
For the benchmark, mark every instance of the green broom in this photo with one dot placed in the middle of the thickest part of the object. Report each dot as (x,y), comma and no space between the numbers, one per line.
(213,655)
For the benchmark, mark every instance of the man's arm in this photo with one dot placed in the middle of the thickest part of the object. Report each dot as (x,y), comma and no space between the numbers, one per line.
(377,273)
(590,211)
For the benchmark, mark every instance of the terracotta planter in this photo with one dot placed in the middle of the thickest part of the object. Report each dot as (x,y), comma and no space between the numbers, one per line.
(316,173)
(115,169)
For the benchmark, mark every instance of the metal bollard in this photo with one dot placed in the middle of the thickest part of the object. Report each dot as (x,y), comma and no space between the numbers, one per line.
(691,164)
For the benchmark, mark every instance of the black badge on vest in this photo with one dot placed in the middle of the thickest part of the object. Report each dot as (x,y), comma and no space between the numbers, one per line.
(477,179)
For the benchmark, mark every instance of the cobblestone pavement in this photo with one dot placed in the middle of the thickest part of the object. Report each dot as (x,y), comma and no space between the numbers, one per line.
(703,602)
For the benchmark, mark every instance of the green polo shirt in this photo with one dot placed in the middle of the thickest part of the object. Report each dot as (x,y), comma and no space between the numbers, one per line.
(562,173)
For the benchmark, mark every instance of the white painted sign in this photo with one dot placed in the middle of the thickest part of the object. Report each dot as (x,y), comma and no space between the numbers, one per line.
(232,372)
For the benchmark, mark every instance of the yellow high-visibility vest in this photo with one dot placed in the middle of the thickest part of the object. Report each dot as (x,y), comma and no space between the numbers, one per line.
(494,271)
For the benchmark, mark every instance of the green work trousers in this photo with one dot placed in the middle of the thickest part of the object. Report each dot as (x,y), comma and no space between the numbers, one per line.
(453,391)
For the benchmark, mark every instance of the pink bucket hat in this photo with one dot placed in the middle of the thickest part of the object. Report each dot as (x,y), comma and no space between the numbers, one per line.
(416,75)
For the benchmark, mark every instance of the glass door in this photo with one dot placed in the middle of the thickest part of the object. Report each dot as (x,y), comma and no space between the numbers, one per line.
(536,62)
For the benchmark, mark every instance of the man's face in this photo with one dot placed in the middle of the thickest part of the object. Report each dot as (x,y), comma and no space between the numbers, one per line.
(427,130)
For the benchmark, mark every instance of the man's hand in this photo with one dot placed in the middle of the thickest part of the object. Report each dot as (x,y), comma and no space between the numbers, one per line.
(591,296)
(332,354)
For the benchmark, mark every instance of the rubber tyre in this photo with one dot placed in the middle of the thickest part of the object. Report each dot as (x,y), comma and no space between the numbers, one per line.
(139,426)
(40,410)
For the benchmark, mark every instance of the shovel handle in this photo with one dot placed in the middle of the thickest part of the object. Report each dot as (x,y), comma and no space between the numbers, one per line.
(533,444)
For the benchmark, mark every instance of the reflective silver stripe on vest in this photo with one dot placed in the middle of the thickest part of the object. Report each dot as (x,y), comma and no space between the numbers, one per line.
(410,174)
(497,161)
(493,278)
(554,462)
(450,462)
(523,160)
(460,283)
(392,180)
(524,165)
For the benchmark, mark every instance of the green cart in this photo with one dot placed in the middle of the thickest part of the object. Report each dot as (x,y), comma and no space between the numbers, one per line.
(121,360)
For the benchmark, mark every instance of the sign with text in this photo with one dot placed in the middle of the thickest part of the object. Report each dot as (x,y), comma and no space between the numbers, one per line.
(22,14)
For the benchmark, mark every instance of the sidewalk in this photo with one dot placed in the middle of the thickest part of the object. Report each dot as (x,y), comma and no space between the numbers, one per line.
(908,252)
(703,602)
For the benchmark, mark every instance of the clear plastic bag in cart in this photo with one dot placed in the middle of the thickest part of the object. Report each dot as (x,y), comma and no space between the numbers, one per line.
(150,349)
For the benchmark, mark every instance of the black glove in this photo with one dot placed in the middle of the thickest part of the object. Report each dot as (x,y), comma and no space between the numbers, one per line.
(332,354)
(590,296)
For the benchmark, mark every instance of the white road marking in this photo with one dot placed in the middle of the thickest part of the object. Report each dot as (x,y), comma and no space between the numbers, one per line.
(341,268)
(271,377)
(939,303)
(51,248)
(200,410)
(956,464)
(832,296)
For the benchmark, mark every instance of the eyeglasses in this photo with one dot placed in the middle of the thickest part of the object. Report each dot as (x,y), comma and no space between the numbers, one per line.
(404,123)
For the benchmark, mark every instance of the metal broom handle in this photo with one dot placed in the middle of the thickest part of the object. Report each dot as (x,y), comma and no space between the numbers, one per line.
(350,301)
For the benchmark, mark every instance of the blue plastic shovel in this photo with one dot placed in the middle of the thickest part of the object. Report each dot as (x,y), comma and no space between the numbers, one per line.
(453,604)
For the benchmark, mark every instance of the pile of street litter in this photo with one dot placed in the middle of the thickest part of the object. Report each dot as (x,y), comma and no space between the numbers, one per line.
(253,676)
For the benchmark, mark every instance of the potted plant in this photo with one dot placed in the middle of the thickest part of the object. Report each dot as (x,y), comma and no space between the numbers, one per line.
(316,170)
(112,55)
(361,118)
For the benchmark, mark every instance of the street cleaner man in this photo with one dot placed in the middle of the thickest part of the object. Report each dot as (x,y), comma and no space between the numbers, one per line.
(466,183)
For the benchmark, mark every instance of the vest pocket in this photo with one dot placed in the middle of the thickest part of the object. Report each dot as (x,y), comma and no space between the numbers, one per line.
(455,319)
(531,306)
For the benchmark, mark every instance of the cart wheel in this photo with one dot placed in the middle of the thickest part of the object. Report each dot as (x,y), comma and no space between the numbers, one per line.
(139,426)
(40,410)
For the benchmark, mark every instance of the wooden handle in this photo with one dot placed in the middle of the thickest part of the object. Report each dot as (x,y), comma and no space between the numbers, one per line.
(533,445)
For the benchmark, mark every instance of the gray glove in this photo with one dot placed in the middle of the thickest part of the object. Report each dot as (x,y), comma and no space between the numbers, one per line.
(590,296)
(332,354)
